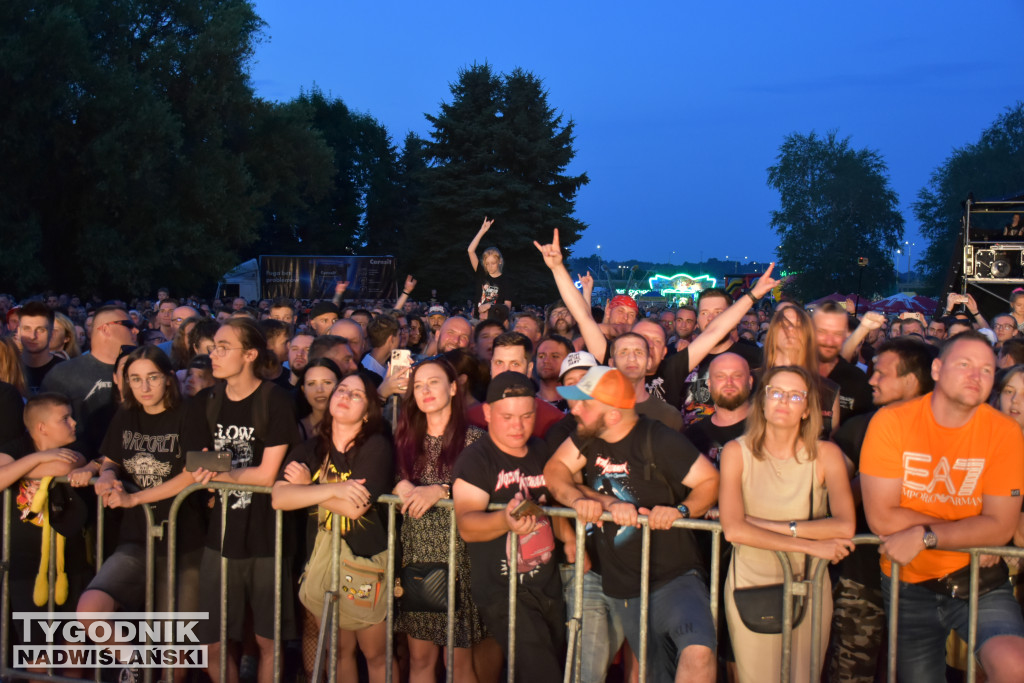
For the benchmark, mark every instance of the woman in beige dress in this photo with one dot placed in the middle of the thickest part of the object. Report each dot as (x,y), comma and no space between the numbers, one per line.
(778,483)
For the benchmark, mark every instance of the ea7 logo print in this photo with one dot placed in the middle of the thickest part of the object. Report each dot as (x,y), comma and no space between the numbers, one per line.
(929,479)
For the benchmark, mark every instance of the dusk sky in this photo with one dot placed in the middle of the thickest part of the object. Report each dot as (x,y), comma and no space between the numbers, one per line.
(679,107)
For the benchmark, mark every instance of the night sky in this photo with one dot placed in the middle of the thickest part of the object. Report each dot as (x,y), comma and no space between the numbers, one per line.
(679,107)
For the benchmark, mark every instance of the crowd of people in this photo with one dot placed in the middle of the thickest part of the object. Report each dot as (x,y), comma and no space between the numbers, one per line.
(797,429)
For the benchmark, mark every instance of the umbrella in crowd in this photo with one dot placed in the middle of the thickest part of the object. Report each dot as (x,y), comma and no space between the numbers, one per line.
(900,303)
(834,296)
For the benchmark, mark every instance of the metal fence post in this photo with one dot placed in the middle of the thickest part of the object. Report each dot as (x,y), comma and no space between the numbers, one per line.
(645,592)
(513,588)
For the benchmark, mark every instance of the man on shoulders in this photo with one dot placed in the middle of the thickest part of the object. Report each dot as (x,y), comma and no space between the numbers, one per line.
(941,473)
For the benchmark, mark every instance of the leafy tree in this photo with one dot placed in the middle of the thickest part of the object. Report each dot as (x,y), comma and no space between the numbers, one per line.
(497,149)
(135,152)
(991,168)
(836,206)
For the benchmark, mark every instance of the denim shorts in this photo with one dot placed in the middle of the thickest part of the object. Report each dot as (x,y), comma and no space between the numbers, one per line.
(679,615)
(926,618)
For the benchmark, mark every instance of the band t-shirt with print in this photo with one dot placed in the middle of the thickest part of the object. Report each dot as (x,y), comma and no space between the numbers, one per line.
(502,476)
(944,471)
(617,469)
(250,517)
(374,461)
(150,449)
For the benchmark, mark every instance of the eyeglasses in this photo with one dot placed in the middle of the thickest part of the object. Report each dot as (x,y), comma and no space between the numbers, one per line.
(1005,326)
(223,350)
(353,395)
(795,397)
(149,380)
(123,323)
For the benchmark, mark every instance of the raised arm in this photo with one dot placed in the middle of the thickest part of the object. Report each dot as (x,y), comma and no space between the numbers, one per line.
(484,227)
(410,284)
(591,332)
(719,328)
(868,322)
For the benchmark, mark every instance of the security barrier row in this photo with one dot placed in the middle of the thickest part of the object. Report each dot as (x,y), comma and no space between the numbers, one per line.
(328,637)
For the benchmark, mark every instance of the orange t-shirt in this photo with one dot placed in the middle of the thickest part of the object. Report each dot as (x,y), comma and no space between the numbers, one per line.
(945,471)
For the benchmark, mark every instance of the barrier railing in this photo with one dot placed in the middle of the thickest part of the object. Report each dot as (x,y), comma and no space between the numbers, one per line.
(328,637)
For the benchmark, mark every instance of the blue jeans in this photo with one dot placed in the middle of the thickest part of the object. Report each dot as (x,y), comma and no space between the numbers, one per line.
(926,618)
(679,615)
(602,633)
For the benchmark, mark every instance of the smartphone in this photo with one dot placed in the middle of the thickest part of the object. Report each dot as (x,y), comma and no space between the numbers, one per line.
(527,507)
(214,461)
(401,360)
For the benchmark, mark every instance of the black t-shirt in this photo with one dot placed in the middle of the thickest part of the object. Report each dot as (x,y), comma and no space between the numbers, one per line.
(709,438)
(492,290)
(502,476)
(373,461)
(617,469)
(250,519)
(862,564)
(559,432)
(34,376)
(151,449)
(854,390)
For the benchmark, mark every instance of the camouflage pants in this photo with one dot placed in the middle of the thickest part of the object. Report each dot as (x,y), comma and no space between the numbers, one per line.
(858,631)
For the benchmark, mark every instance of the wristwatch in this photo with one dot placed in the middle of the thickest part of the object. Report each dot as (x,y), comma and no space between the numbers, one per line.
(930,539)
(683,510)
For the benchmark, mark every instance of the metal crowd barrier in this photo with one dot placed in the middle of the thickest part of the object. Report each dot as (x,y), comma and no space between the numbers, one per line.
(328,637)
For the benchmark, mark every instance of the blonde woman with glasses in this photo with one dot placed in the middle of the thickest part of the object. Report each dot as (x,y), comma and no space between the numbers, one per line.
(778,484)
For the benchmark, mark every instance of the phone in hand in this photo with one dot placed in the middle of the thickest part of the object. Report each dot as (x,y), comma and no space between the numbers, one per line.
(213,461)
(525,509)
(401,361)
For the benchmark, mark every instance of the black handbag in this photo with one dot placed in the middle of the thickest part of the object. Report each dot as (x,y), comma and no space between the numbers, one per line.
(760,607)
(423,587)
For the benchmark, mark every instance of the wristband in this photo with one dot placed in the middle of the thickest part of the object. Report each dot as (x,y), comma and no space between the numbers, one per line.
(406,293)
(751,295)
(792,529)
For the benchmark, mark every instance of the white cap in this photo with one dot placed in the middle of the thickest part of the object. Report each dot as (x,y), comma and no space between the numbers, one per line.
(577,359)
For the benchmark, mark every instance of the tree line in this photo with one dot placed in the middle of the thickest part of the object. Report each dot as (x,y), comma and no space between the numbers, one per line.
(837,206)
(137,154)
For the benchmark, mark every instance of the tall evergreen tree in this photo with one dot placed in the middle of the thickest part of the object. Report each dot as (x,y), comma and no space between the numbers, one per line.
(991,168)
(497,149)
(836,206)
(132,153)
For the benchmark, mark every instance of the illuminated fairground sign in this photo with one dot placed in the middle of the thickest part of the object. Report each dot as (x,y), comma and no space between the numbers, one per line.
(681,284)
